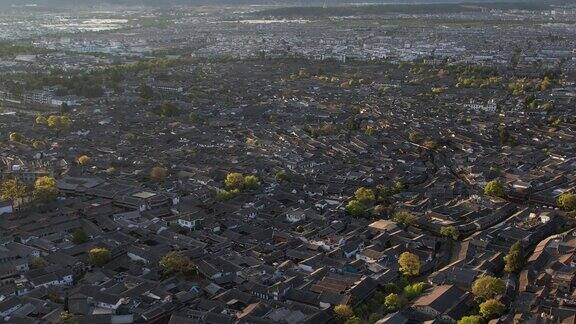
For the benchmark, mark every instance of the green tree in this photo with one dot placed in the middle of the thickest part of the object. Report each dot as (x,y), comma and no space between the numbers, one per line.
(488,287)
(282,176)
(356,208)
(146,92)
(492,308)
(223,195)
(398,187)
(178,263)
(450,231)
(392,287)
(409,264)
(393,302)
(474,319)
(343,311)
(234,180)
(385,192)
(251,182)
(365,196)
(374,317)
(514,258)
(79,236)
(354,320)
(414,290)
(494,188)
(404,217)
(45,189)
(167,109)
(505,136)
(99,256)
(567,202)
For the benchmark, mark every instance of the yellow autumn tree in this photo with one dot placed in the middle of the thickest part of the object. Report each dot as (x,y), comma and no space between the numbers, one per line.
(13,189)
(343,311)
(409,264)
(83,160)
(234,180)
(45,189)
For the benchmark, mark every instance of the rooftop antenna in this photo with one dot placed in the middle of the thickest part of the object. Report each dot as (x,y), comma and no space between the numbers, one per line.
(325,4)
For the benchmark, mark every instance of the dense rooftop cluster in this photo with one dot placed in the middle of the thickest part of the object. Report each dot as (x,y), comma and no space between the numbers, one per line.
(225,181)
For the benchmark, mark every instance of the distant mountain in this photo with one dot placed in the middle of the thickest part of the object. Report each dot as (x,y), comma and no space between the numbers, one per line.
(404,8)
